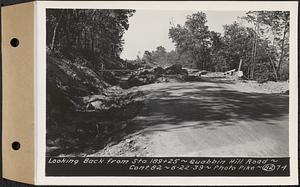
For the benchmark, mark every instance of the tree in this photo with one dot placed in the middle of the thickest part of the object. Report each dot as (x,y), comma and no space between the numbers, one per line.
(244,43)
(238,42)
(97,32)
(274,26)
(193,39)
(160,56)
(218,61)
(156,57)
(147,57)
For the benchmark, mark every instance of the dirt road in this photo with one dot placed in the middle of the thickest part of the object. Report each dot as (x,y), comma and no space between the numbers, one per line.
(209,118)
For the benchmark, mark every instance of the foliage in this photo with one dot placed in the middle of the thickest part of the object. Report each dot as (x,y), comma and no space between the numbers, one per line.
(262,48)
(96,32)
(159,57)
(193,39)
(274,26)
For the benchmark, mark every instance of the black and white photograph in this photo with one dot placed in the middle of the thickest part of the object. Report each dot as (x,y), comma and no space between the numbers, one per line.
(150,93)
(125,82)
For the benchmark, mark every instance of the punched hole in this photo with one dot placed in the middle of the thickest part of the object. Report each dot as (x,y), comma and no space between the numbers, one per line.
(14,42)
(16,145)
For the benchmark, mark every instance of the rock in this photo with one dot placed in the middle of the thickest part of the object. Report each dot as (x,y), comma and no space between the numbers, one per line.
(162,79)
(78,99)
(128,140)
(145,72)
(157,74)
(176,70)
(89,107)
(239,74)
(92,98)
(158,71)
(141,78)
(110,78)
(95,105)
(116,90)
(203,72)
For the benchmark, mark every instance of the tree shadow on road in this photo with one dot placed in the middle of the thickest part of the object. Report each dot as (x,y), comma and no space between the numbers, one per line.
(201,106)
(195,105)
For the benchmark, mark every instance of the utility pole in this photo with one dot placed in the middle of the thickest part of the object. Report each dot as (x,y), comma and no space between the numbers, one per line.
(102,71)
(240,65)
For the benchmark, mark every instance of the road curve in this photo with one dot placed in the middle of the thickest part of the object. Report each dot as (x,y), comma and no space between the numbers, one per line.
(209,118)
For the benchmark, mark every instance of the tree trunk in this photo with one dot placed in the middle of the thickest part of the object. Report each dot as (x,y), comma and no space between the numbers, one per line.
(55,30)
(254,57)
(85,39)
(92,41)
(282,51)
(240,64)
(273,64)
(254,51)
(251,62)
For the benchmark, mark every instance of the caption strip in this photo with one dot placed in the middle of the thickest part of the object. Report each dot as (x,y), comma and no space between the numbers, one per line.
(166,166)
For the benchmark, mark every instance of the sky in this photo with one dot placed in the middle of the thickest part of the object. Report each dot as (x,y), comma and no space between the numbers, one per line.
(149,28)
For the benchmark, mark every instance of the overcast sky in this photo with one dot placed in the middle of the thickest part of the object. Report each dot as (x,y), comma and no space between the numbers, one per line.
(149,29)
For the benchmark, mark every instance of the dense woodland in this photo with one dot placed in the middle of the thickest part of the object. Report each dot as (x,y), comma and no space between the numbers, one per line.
(94,34)
(263,47)
(97,34)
